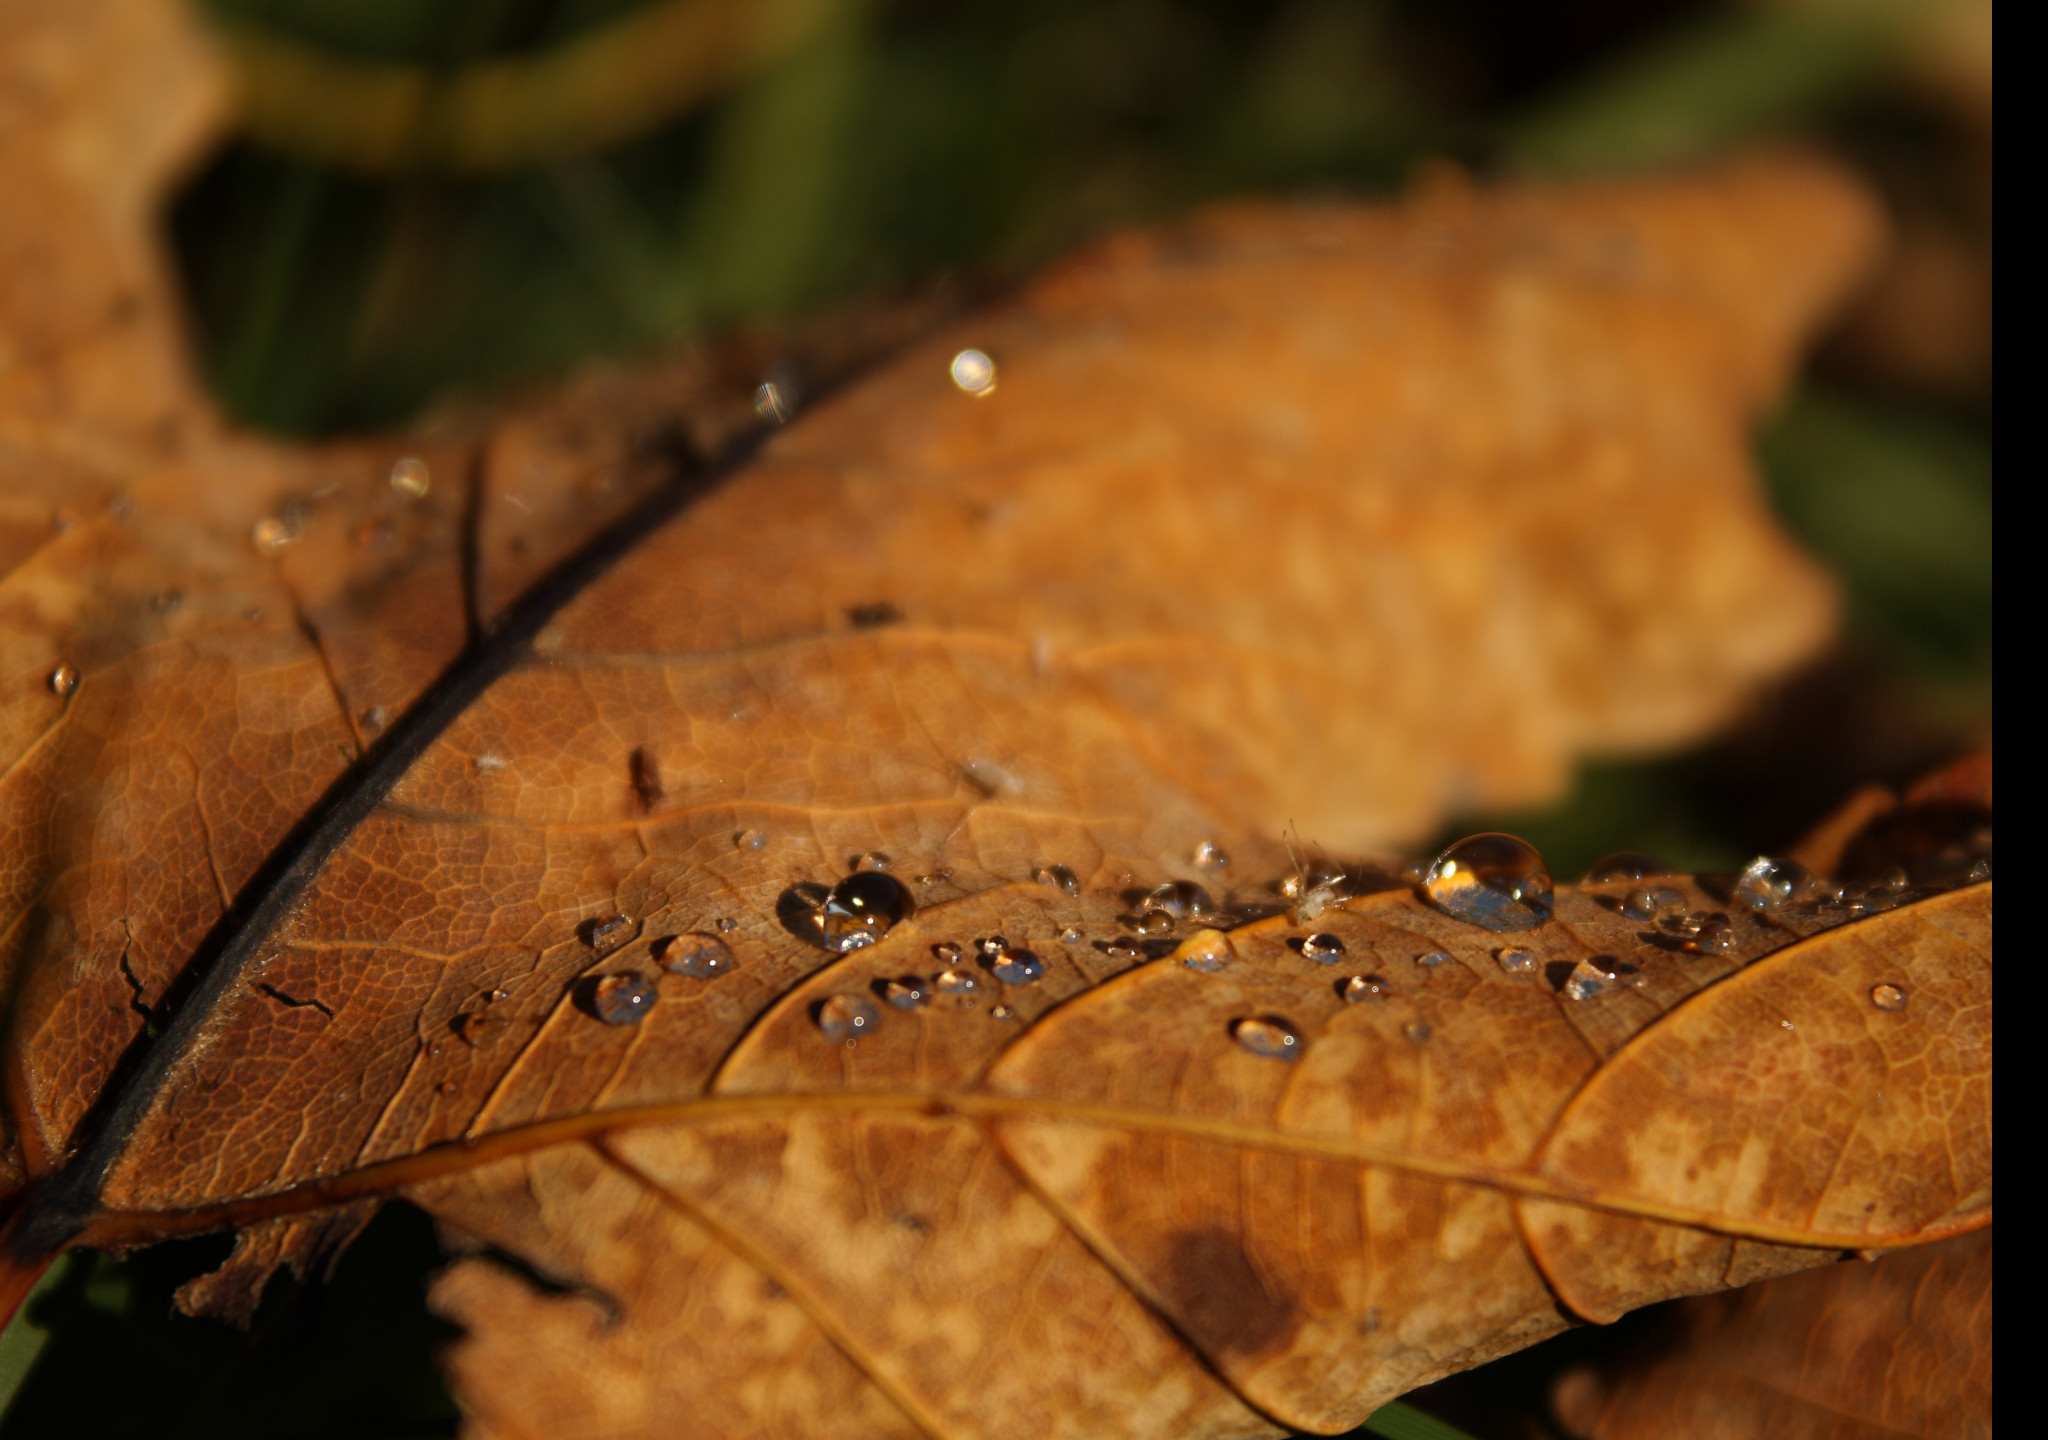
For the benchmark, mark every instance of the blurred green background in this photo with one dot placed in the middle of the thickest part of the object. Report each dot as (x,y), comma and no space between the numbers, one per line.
(383,232)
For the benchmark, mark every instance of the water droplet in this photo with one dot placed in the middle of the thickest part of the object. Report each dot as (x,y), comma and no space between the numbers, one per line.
(1980,871)
(957,982)
(270,535)
(1152,922)
(1072,935)
(947,952)
(1323,949)
(1268,1035)
(771,404)
(846,1017)
(1887,997)
(1060,878)
(411,478)
(935,876)
(1515,960)
(702,956)
(1586,980)
(974,372)
(868,860)
(1417,1031)
(1647,902)
(1211,856)
(1433,959)
(748,839)
(726,927)
(605,931)
(906,992)
(991,944)
(1014,966)
(1363,989)
(1122,949)
(1710,934)
(1181,899)
(63,680)
(1770,884)
(478,1027)
(624,998)
(1205,951)
(1002,1012)
(856,912)
(1626,865)
(1494,881)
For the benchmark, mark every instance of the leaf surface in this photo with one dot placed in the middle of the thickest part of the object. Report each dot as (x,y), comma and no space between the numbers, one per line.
(444,817)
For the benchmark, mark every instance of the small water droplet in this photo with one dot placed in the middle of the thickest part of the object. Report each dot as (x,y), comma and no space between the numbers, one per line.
(991,944)
(748,839)
(1626,865)
(868,860)
(846,1017)
(1887,997)
(270,535)
(1211,856)
(1709,934)
(1206,951)
(1002,1012)
(1494,881)
(702,956)
(1771,884)
(411,478)
(1122,949)
(1269,1036)
(1014,966)
(1785,1025)
(1072,935)
(1152,922)
(1323,949)
(974,372)
(947,952)
(63,680)
(1417,1031)
(957,982)
(605,931)
(1363,989)
(1647,902)
(1980,871)
(1433,959)
(1515,960)
(1586,980)
(726,927)
(624,998)
(906,992)
(1060,878)
(478,1027)
(856,912)
(1181,899)
(771,404)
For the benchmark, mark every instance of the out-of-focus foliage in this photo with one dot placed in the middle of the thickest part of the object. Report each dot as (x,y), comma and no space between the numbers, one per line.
(900,145)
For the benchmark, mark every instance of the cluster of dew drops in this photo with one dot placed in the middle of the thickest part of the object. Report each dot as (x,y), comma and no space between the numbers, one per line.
(1494,882)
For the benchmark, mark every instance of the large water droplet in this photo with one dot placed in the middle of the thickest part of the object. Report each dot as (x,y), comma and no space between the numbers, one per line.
(1770,884)
(846,1017)
(1887,997)
(411,478)
(624,998)
(1626,865)
(1014,966)
(906,992)
(973,372)
(63,680)
(701,956)
(1363,989)
(1323,949)
(1060,878)
(1181,899)
(1268,1035)
(1493,881)
(858,911)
